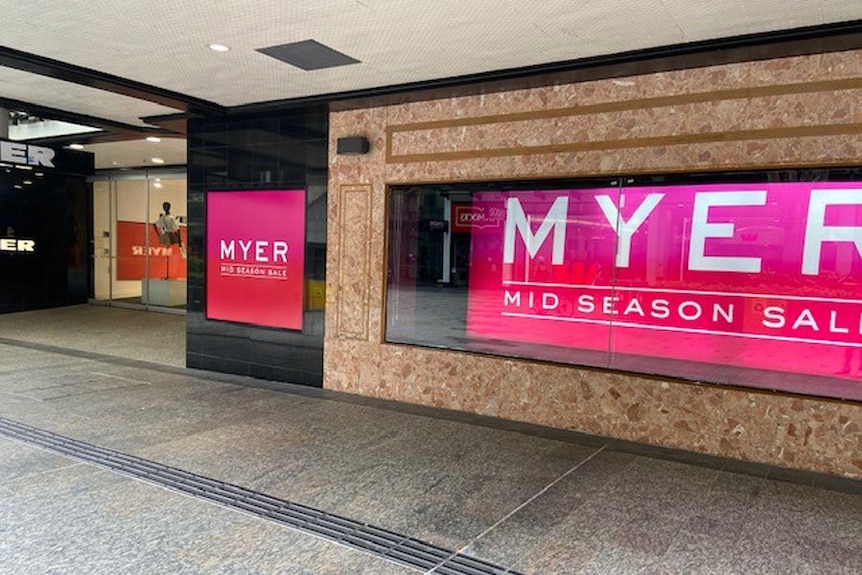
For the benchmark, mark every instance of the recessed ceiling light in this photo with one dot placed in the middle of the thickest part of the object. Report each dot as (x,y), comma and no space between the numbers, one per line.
(219,47)
(76,147)
(28,182)
(157,160)
(157,185)
(153,139)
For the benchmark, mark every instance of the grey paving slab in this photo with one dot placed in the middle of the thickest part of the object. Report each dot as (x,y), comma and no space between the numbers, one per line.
(83,520)
(460,485)
(25,358)
(745,555)
(19,460)
(118,407)
(441,481)
(722,523)
(155,337)
(523,534)
(17,362)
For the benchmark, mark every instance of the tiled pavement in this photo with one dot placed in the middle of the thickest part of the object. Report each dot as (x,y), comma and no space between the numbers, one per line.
(532,500)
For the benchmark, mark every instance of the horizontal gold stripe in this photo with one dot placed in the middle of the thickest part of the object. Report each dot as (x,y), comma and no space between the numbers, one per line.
(629,171)
(649,142)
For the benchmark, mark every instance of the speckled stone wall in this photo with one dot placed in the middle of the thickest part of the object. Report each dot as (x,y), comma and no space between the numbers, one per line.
(794,111)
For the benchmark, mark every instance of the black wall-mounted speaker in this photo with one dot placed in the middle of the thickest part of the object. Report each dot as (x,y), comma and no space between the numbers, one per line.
(353,145)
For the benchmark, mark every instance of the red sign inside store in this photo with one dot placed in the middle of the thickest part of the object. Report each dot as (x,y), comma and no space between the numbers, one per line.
(165,262)
(467,217)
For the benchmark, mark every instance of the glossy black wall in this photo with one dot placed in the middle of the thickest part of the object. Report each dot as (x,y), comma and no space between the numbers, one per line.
(285,150)
(48,206)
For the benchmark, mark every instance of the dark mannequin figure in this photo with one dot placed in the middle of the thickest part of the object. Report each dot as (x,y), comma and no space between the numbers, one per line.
(167,226)
(168,231)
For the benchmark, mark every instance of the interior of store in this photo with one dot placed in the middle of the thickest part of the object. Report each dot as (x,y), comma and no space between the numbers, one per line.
(134,265)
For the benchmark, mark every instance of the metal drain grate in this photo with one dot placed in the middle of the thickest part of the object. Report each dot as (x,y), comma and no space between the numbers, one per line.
(378,542)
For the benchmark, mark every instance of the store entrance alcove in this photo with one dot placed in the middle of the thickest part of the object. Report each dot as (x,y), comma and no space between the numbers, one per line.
(135,263)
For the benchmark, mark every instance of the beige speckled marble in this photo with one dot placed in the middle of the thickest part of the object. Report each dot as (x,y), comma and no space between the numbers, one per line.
(795,111)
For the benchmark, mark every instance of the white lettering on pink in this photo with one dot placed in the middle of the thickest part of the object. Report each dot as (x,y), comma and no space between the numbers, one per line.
(516,220)
(260,249)
(701,230)
(626,229)
(817,232)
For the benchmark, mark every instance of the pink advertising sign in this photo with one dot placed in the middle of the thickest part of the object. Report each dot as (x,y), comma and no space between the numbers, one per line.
(759,276)
(256,257)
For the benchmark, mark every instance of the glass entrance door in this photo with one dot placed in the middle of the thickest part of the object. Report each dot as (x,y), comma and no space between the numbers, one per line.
(139,239)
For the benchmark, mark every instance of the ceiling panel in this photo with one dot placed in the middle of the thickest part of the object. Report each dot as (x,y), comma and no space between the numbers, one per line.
(164,43)
(138,153)
(704,19)
(48,92)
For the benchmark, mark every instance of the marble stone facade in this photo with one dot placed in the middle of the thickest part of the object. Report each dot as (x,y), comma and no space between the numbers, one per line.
(799,111)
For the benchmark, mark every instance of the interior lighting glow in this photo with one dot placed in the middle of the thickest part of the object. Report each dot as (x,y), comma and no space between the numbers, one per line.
(219,47)
(76,147)
(154,139)
(157,160)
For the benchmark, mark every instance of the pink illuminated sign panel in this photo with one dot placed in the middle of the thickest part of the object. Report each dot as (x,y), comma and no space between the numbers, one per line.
(256,257)
(762,276)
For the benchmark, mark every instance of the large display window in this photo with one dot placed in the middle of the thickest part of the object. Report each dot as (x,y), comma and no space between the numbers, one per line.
(750,279)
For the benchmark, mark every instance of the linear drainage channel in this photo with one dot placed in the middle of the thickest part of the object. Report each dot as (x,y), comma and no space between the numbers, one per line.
(381,543)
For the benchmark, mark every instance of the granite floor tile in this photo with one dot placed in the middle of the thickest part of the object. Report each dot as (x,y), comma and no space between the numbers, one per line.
(157,337)
(19,460)
(83,521)
(20,361)
(749,553)
(459,497)
(616,505)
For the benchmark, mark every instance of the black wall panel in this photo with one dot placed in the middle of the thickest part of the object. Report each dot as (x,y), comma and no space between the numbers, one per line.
(279,151)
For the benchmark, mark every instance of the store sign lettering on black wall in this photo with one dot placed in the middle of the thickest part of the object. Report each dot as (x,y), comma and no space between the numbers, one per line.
(16,245)
(26,155)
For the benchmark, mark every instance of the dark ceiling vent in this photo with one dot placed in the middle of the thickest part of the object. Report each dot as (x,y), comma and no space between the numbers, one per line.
(308,55)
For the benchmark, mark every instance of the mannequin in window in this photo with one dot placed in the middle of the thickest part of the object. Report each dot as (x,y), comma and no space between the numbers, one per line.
(167,227)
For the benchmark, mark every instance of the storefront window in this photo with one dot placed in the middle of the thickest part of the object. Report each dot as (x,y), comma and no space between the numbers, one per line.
(137,261)
(747,278)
